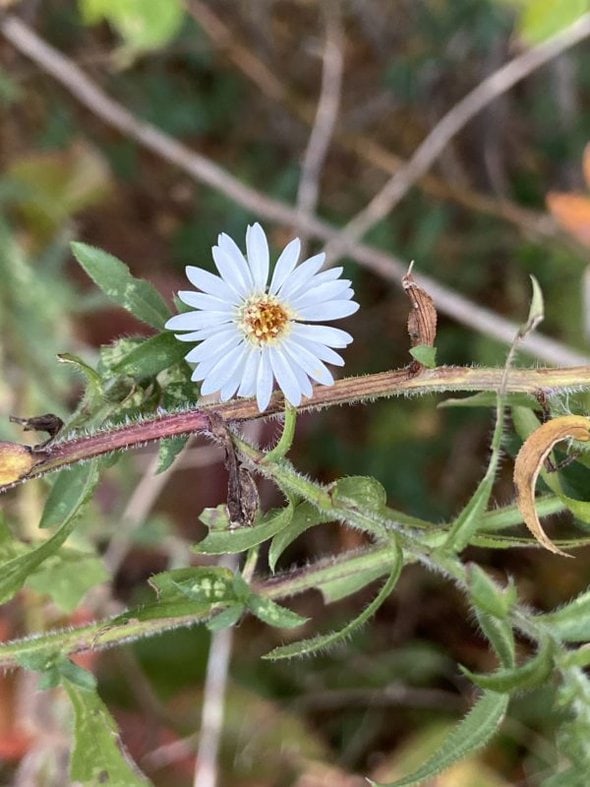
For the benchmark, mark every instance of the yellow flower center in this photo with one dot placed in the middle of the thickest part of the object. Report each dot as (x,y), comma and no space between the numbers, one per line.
(263,319)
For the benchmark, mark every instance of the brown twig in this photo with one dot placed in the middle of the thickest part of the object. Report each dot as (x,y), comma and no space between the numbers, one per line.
(325,117)
(345,391)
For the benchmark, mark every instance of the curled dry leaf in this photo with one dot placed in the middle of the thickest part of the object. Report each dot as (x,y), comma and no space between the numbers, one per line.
(422,317)
(529,462)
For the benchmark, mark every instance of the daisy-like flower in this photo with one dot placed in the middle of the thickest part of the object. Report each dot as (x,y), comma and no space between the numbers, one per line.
(252,333)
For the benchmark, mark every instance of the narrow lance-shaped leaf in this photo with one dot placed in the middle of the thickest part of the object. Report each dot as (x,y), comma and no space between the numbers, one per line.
(500,635)
(489,596)
(532,673)
(274,614)
(113,277)
(98,756)
(571,623)
(220,542)
(305,516)
(473,732)
(323,641)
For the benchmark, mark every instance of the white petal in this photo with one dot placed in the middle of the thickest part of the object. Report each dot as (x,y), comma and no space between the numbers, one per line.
(209,283)
(333,310)
(214,346)
(303,380)
(222,371)
(194,321)
(284,376)
(199,300)
(301,275)
(264,382)
(203,333)
(322,334)
(311,283)
(328,291)
(231,386)
(329,275)
(231,248)
(250,372)
(285,264)
(234,274)
(320,351)
(310,363)
(258,255)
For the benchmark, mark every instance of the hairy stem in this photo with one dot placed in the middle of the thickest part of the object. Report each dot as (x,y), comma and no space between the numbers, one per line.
(399,382)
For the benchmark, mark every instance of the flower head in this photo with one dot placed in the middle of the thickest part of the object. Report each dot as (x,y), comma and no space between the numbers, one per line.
(252,333)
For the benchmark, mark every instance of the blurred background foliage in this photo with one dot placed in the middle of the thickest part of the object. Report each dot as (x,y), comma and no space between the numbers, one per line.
(480,223)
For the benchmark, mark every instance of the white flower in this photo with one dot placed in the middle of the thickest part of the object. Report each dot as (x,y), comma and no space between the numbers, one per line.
(252,333)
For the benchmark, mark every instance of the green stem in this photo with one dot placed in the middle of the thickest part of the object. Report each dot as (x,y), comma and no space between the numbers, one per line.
(286,440)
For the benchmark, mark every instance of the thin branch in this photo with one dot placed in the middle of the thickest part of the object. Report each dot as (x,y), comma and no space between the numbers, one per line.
(454,121)
(349,390)
(206,771)
(203,170)
(365,147)
(326,115)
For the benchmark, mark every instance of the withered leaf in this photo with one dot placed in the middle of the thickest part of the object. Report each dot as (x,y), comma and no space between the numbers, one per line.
(529,461)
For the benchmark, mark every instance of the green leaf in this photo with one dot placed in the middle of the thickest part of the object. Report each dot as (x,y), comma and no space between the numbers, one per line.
(152,356)
(425,354)
(489,596)
(579,508)
(98,757)
(15,571)
(227,618)
(70,491)
(144,24)
(67,578)
(113,277)
(213,585)
(365,491)
(509,516)
(500,635)
(571,623)
(341,587)
(53,667)
(470,518)
(221,542)
(274,614)
(323,641)
(305,516)
(169,449)
(532,673)
(94,392)
(473,732)
(542,19)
